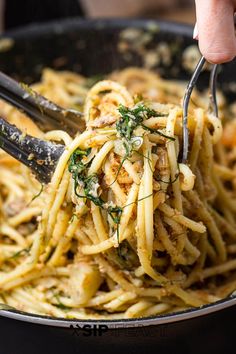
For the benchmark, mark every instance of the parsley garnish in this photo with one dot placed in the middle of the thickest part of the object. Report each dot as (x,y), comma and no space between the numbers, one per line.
(90,184)
(126,125)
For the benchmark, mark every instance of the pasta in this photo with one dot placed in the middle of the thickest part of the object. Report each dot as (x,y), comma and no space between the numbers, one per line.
(124,229)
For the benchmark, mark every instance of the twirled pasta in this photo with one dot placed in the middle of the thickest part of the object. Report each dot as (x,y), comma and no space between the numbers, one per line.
(124,229)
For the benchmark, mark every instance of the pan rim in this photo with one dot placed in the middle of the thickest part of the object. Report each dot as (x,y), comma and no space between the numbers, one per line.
(122,323)
(64,25)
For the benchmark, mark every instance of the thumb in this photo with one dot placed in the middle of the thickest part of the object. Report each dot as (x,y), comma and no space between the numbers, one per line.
(216,31)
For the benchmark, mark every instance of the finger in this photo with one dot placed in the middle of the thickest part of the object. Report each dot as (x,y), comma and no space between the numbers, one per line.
(216,32)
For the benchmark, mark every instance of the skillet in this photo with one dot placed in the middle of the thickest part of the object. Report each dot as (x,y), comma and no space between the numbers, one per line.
(93,47)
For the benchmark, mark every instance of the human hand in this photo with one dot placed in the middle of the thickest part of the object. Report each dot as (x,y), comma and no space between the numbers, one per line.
(215,29)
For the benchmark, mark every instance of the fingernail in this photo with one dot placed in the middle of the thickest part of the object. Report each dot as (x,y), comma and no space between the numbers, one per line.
(195,32)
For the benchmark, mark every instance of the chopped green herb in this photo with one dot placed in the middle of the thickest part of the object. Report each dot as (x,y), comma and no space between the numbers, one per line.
(60,305)
(90,184)
(20,253)
(38,194)
(115,213)
(139,200)
(126,125)
(119,168)
(158,179)
(131,119)
(76,165)
(156,131)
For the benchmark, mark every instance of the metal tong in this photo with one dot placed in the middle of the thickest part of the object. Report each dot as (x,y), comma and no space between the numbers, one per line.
(212,104)
(39,155)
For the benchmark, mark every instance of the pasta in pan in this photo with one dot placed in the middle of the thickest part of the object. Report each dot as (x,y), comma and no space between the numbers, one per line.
(124,229)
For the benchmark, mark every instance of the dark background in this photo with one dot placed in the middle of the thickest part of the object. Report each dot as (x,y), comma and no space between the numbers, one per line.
(21,12)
